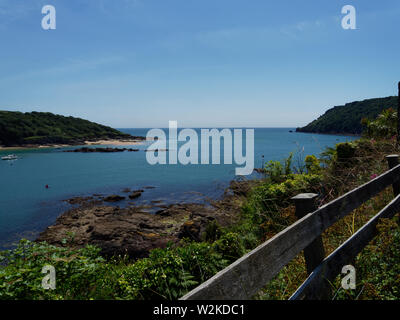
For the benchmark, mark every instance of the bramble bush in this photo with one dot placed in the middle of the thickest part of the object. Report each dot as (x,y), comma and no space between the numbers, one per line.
(83,274)
(77,271)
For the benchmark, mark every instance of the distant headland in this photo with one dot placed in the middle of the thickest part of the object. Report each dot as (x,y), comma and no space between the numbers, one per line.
(346,119)
(42,129)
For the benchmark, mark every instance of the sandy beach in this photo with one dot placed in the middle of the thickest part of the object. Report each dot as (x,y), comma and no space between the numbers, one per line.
(114,142)
(110,142)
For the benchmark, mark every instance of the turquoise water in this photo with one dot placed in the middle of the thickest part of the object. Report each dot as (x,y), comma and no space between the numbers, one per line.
(27,207)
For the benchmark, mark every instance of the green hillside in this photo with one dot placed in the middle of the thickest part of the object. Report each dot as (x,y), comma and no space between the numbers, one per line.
(347,118)
(17,128)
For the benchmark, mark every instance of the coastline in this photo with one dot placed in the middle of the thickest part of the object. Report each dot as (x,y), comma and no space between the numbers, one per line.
(133,229)
(332,134)
(115,142)
(102,142)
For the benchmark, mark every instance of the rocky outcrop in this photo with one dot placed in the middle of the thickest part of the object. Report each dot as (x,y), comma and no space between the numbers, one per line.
(132,230)
(113,198)
(135,194)
(129,230)
(193,229)
(79,200)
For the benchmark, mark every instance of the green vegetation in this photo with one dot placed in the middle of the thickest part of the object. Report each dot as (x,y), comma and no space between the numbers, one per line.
(377,267)
(171,272)
(17,128)
(347,119)
(346,166)
(384,126)
(84,274)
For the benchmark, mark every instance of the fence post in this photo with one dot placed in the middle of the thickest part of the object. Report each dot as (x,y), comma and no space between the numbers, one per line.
(393,161)
(314,253)
(398,116)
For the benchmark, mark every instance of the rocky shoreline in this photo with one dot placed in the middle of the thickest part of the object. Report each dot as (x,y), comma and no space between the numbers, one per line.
(133,231)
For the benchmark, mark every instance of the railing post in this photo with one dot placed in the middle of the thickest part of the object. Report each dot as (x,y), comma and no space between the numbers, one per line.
(314,254)
(398,116)
(393,161)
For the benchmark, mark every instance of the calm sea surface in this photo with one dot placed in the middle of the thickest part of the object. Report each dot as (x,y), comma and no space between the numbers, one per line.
(27,207)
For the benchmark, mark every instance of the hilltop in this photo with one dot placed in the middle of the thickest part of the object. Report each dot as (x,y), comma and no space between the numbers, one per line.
(346,119)
(44,128)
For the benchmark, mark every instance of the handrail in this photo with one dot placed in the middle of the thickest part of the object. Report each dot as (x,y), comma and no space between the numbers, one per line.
(247,275)
(331,265)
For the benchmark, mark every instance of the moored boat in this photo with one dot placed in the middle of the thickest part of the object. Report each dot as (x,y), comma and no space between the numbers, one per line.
(9,157)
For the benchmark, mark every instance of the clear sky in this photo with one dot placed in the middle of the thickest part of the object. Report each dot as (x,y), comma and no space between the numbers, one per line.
(204,63)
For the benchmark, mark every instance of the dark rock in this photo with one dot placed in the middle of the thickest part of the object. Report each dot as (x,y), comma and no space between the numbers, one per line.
(259,170)
(120,231)
(113,198)
(191,229)
(104,236)
(240,188)
(78,200)
(163,212)
(136,194)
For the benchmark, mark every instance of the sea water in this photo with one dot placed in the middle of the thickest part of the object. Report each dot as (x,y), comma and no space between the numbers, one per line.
(27,207)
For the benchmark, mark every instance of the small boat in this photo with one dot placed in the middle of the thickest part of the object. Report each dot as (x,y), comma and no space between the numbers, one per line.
(10,157)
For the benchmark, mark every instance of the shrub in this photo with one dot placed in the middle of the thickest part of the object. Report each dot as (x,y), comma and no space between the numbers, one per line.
(213,231)
(83,274)
(345,151)
(312,164)
(384,126)
(170,273)
(230,246)
(275,170)
(77,271)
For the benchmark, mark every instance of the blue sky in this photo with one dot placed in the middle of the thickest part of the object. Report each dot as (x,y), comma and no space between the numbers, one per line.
(204,63)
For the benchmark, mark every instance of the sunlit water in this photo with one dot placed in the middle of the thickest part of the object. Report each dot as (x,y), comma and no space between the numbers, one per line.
(27,207)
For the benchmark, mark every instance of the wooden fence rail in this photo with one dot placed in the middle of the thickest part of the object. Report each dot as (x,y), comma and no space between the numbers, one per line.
(246,276)
(332,265)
